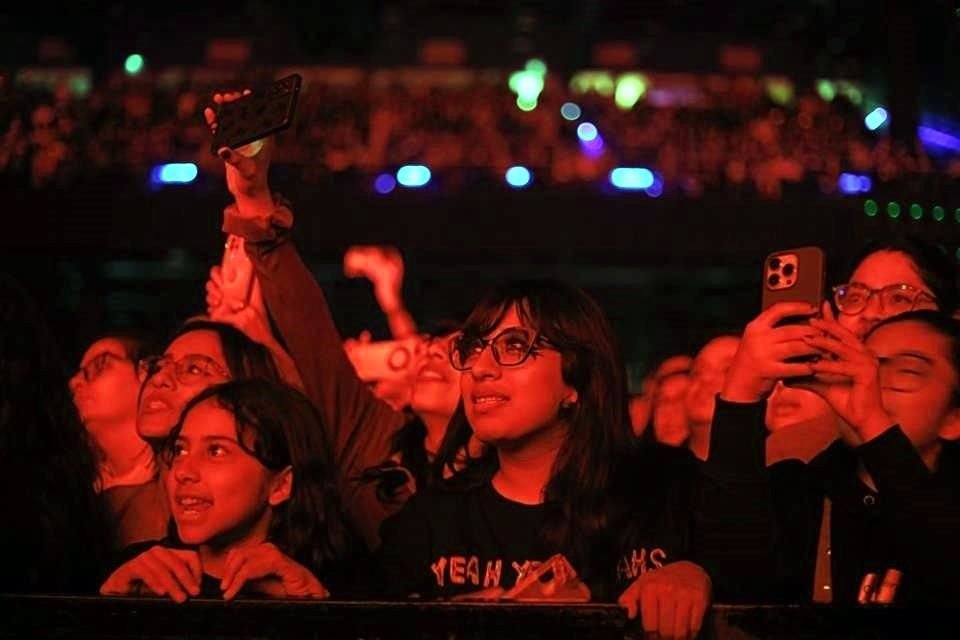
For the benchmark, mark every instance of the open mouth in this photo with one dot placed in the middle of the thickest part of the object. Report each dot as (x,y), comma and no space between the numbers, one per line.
(192,507)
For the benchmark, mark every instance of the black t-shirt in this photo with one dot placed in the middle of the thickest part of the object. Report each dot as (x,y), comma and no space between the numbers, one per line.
(449,542)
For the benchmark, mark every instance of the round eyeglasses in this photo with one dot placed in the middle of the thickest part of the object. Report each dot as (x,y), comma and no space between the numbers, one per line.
(189,370)
(853,297)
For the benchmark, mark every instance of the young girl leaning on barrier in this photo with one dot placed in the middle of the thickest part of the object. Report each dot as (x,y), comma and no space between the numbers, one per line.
(250,493)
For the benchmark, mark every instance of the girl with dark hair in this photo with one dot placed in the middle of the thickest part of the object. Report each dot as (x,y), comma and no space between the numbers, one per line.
(199,354)
(544,388)
(249,487)
(55,536)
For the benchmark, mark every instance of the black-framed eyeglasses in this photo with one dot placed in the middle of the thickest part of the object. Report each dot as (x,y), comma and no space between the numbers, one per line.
(96,365)
(853,297)
(189,370)
(511,347)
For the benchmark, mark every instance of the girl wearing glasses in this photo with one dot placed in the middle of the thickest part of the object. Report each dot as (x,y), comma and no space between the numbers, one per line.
(199,354)
(543,387)
(890,278)
(887,279)
(248,484)
(105,389)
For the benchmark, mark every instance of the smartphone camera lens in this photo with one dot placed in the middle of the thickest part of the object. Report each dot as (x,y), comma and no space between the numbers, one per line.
(775,263)
(788,269)
(773,280)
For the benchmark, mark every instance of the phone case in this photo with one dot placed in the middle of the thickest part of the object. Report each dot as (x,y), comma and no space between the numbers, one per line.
(237,271)
(257,115)
(794,275)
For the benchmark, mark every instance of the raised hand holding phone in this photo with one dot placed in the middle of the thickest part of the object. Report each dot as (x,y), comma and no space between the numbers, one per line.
(247,167)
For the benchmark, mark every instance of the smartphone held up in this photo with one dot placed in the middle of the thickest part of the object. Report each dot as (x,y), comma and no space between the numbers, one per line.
(255,116)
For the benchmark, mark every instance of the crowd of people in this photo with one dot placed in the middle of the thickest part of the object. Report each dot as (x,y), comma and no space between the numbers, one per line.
(249,455)
(701,135)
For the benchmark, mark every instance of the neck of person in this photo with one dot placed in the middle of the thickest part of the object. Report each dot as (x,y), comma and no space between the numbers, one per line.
(122,447)
(436,425)
(526,467)
(213,555)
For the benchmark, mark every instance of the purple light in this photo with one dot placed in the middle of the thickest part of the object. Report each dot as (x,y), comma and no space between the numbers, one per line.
(935,138)
(851,183)
(384,184)
(592,148)
(656,189)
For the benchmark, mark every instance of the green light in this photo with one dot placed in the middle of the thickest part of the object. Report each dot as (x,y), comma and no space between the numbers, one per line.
(537,66)
(80,85)
(826,90)
(527,85)
(938,213)
(526,105)
(893,209)
(133,64)
(630,88)
(916,211)
(870,208)
(780,91)
(956,214)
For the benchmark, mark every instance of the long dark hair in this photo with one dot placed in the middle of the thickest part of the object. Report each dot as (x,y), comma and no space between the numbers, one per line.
(284,429)
(245,358)
(576,496)
(47,467)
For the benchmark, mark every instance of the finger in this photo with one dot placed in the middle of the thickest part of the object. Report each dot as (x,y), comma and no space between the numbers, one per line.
(192,560)
(239,579)
(838,349)
(118,583)
(179,569)
(628,601)
(826,311)
(667,606)
(697,611)
(235,559)
(681,617)
(649,610)
(211,117)
(784,310)
(162,576)
(835,367)
(794,349)
(835,330)
(791,332)
(216,274)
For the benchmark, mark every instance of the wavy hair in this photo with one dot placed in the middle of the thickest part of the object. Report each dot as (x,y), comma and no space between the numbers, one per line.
(280,427)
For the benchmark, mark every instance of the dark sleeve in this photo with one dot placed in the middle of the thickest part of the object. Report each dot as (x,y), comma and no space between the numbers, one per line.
(732,504)
(361,426)
(926,508)
(402,564)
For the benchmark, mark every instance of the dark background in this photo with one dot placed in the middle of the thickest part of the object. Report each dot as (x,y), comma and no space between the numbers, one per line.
(109,252)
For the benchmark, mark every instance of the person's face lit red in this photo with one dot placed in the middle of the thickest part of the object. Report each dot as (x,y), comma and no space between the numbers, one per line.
(106,385)
(670,410)
(217,490)
(707,375)
(436,387)
(511,405)
(163,395)
(788,406)
(878,270)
